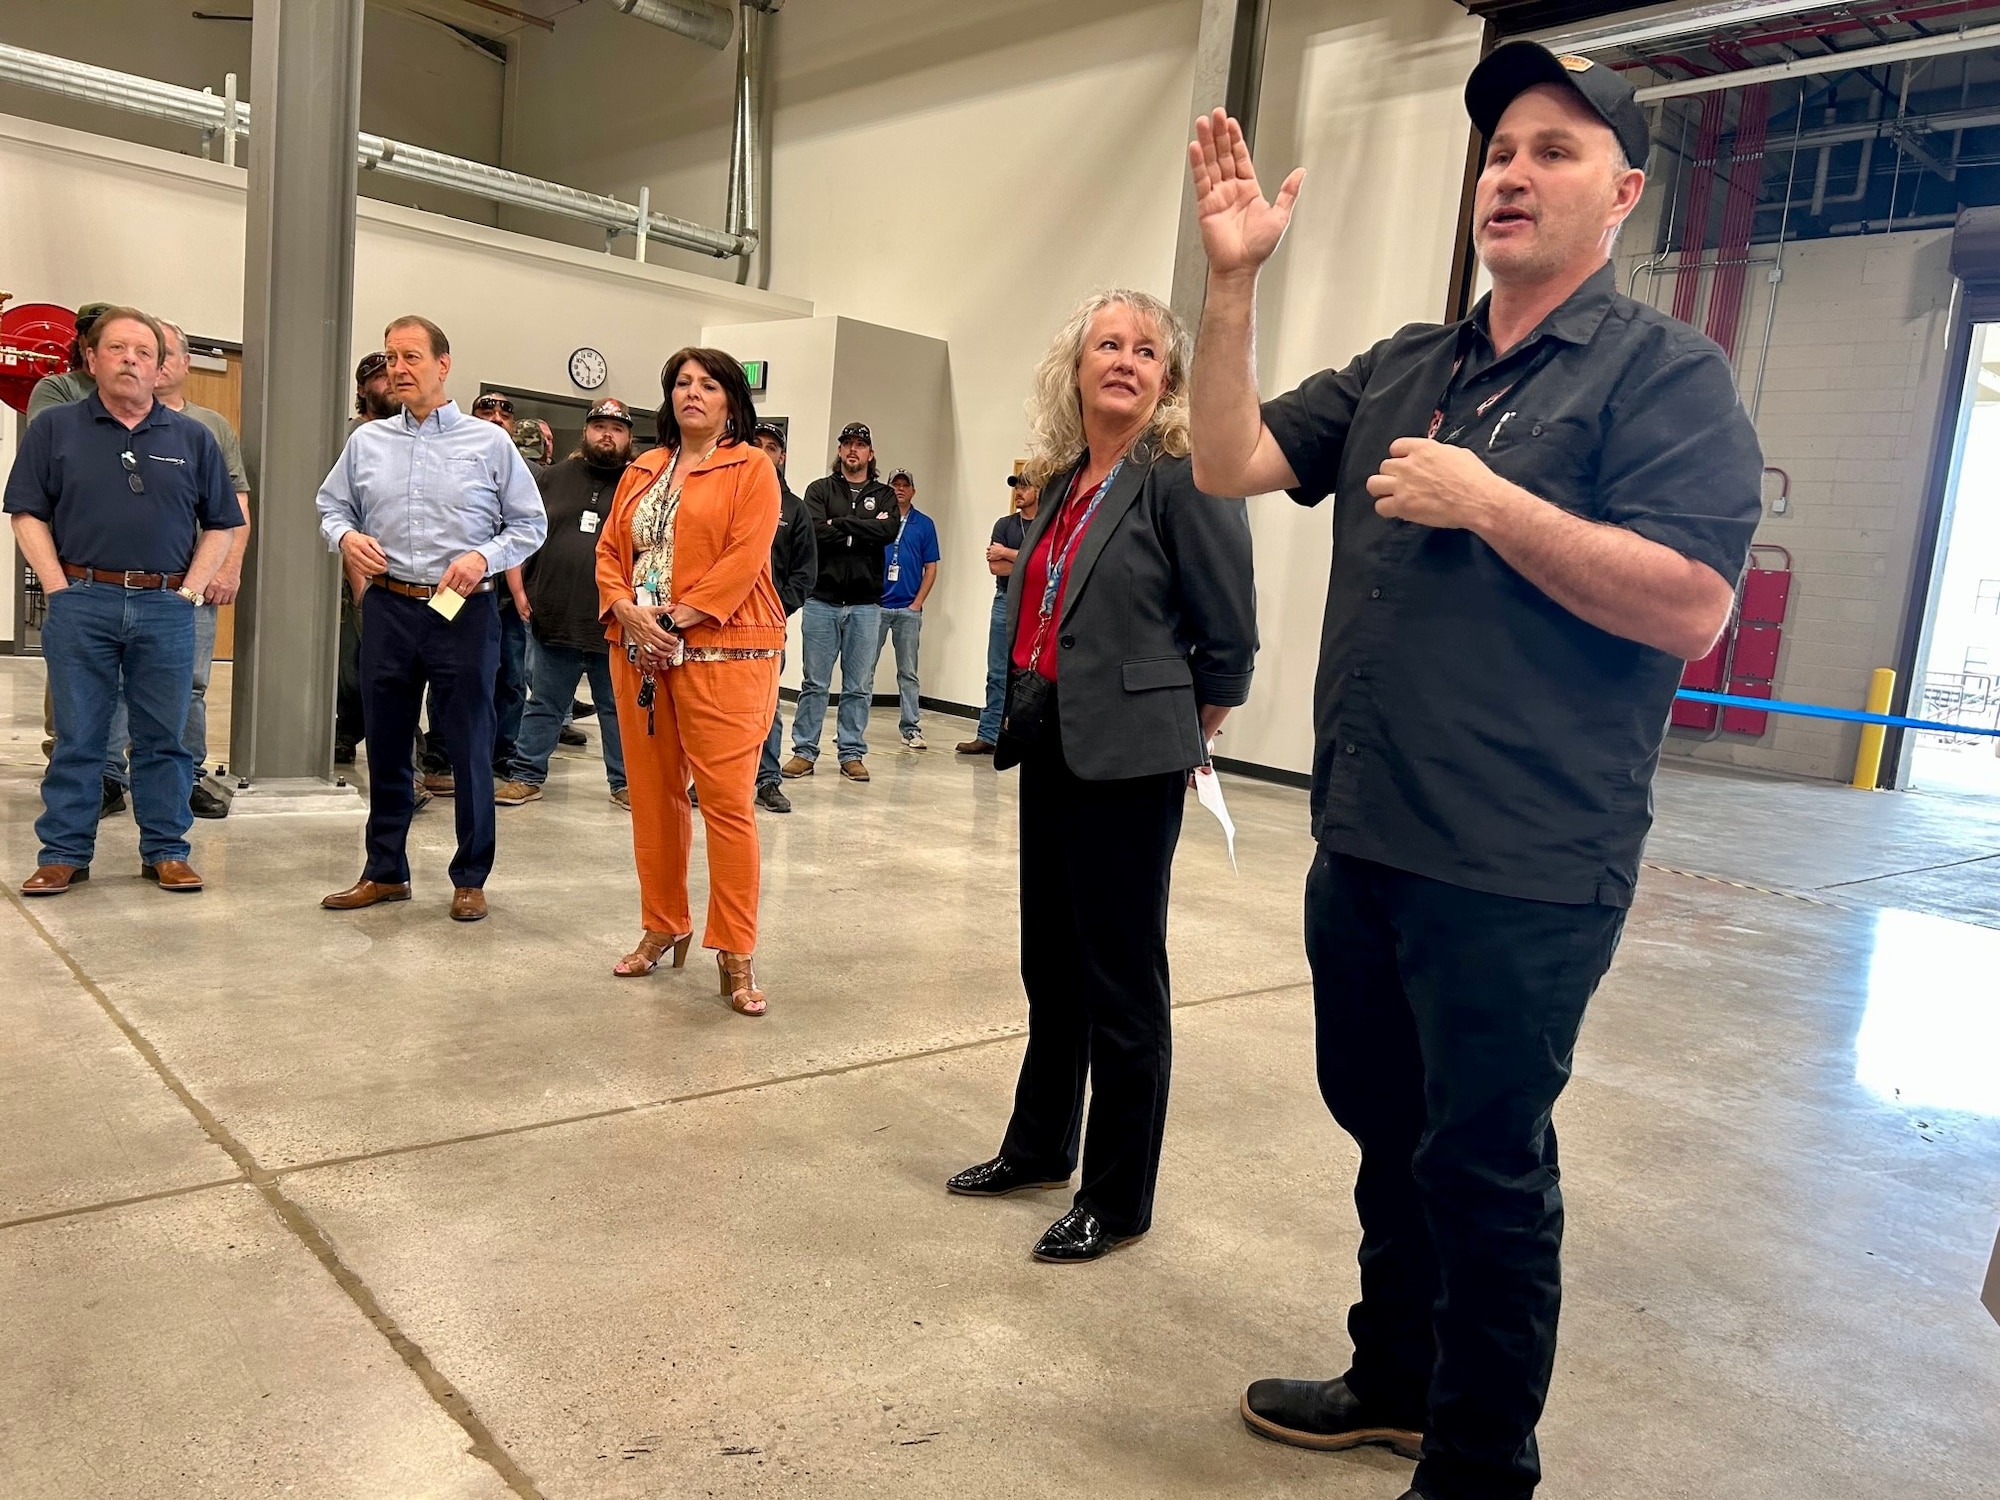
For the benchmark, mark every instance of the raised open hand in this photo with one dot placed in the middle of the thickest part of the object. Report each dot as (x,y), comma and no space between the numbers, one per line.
(1239,229)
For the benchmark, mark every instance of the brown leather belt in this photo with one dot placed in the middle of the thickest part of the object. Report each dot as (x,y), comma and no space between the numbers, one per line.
(426,590)
(126,579)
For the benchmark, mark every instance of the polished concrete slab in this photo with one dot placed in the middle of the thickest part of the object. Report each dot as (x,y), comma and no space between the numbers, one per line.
(523,1228)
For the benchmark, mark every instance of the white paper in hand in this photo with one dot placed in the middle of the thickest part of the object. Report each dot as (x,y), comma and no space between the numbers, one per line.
(1208,791)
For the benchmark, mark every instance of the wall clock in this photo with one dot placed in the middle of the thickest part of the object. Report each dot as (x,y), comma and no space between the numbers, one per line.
(587,369)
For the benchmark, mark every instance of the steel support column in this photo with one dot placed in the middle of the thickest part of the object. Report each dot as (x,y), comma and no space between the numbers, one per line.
(298,301)
(1229,73)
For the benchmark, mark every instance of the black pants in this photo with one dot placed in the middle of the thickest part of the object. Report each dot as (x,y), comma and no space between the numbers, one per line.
(1096,860)
(405,645)
(1446,1022)
(347,726)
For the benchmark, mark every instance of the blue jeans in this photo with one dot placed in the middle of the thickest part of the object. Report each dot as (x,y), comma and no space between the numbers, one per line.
(996,673)
(767,762)
(905,628)
(510,684)
(101,641)
(194,734)
(553,672)
(853,633)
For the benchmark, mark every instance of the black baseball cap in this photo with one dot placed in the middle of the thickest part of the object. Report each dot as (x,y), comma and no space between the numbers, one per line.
(371,365)
(770,430)
(612,409)
(1512,68)
(857,430)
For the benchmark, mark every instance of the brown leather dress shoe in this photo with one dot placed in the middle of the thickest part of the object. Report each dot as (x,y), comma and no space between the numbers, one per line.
(468,904)
(366,892)
(53,880)
(172,875)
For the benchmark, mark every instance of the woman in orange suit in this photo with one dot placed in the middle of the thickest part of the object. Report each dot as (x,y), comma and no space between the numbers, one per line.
(684,581)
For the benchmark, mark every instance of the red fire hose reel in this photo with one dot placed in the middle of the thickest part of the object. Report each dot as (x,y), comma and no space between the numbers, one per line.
(34,341)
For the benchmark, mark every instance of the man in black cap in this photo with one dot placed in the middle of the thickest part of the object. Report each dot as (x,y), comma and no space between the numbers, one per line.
(795,569)
(1542,510)
(74,383)
(374,399)
(854,521)
(565,625)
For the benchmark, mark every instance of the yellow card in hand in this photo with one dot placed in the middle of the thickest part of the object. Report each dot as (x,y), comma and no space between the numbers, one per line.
(448,603)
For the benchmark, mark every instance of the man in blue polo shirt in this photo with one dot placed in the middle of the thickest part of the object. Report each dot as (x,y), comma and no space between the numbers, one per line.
(123,507)
(432,505)
(909,568)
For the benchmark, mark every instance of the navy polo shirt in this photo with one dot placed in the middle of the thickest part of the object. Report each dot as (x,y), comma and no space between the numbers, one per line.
(71,474)
(1467,727)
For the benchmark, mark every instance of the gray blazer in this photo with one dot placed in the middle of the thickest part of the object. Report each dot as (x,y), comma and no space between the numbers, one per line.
(1160,614)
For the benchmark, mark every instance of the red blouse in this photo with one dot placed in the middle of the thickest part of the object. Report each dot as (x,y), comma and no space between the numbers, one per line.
(1033,646)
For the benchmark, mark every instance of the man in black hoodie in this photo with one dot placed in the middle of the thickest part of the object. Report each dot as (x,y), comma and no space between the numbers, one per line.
(794,569)
(565,633)
(854,519)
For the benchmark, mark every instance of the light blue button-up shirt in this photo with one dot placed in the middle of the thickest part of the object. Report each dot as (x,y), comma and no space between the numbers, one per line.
(432,491)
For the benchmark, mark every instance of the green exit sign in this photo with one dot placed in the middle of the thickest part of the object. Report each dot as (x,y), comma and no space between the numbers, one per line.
(756,371)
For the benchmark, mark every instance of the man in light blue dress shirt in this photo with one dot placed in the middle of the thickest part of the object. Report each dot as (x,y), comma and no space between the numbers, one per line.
(428,504)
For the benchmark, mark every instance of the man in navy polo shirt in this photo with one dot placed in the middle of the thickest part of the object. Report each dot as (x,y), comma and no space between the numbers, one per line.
(124,509)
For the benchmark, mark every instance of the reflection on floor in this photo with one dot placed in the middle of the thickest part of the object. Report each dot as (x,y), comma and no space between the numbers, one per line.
(376,1205)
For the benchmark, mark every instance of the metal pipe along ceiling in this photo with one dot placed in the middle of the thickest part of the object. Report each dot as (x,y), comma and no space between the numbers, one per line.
(698,22)
(191,107)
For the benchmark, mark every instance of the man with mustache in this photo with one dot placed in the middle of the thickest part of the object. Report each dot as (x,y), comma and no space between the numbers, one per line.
(1542,511)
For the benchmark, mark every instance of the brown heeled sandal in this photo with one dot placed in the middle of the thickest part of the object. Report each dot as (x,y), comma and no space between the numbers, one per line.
(645,958)
(739,984)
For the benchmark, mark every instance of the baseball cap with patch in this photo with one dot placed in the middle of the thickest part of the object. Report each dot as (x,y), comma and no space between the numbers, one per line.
(531,439)
(610,409)
(857,430)
(371,365)
(769,430)
(896,474)
(1512,68)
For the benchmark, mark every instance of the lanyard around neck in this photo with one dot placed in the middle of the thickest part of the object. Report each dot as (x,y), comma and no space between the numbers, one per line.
(1063,547)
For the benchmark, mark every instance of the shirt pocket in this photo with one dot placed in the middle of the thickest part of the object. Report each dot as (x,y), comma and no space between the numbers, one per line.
(1552,457)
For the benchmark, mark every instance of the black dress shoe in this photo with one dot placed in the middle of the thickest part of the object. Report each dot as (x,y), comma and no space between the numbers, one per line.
(1323,1414)
(113,799)
(569,735)
(996,1179)
(205,804)
(1078,1235)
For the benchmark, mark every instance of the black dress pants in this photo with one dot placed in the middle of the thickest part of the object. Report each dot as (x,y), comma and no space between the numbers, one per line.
(405,646)
(1446,1022)
(1096,861)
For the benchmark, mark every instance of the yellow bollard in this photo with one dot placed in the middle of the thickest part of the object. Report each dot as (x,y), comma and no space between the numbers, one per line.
(1868,760)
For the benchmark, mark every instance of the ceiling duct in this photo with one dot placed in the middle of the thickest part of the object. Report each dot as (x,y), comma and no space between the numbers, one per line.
(710,25)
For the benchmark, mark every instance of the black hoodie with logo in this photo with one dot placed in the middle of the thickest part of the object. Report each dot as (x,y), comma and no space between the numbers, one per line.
(851,526)
(561,578)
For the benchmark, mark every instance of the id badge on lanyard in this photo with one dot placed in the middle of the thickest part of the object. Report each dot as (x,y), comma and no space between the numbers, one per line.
(896,552)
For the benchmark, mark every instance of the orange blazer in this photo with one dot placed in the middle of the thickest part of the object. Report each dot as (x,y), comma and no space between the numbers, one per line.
(722,547)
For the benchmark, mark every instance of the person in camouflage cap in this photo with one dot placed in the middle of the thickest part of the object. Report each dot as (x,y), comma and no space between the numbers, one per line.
(536,442)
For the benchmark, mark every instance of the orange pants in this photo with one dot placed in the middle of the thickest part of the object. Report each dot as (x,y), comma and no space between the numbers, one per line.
(710,720)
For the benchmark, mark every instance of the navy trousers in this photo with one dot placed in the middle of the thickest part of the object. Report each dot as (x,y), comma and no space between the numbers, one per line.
(405,646)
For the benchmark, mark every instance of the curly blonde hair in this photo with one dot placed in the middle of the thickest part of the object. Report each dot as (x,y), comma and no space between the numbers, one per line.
(1055,411)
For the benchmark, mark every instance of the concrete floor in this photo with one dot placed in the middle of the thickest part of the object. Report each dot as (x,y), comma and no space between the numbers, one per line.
(380,1206)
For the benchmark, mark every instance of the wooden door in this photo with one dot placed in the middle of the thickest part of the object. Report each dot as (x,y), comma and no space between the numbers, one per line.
(219,390)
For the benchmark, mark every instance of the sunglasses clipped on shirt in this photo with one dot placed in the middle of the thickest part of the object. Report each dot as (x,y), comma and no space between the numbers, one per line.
(130,461)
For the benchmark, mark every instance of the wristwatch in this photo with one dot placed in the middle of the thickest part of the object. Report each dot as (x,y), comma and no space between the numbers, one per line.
(193,596)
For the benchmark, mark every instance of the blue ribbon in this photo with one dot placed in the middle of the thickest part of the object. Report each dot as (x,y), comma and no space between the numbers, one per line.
(1821,711)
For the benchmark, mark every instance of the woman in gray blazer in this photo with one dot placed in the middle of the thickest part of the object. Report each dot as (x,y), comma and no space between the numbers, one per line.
(1133,626)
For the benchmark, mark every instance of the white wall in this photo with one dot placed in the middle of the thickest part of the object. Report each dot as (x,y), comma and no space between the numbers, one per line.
(970,172)
(1848,407)
(82,216)
(421,82)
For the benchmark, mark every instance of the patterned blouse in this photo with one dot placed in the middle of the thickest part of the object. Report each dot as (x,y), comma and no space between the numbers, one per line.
(653,557)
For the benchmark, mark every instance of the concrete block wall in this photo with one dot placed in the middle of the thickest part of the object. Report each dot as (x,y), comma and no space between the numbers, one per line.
(1851,384)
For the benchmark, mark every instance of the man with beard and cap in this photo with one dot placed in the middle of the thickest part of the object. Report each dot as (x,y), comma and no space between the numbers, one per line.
(1542,512)
(510,684)
(794,568)
(854,521)
(565,632)
(374,399)
(74,383)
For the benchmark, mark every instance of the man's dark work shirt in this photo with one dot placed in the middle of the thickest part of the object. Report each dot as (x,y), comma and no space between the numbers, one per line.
(70,473)
(1467,727)
(561,577)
